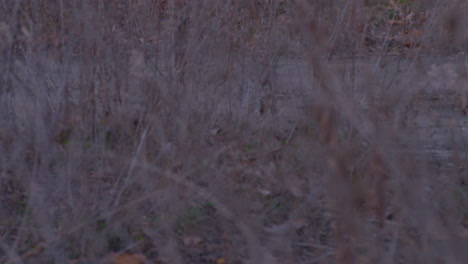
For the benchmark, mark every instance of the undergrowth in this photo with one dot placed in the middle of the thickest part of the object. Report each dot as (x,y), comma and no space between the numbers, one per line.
(233,131)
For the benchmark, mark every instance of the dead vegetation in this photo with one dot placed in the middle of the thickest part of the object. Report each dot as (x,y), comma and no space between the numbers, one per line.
(233,131)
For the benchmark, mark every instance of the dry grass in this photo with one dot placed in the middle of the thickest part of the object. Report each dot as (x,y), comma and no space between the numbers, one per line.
(233,131)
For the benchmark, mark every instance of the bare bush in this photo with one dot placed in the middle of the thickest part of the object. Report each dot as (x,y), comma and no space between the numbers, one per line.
(233,131)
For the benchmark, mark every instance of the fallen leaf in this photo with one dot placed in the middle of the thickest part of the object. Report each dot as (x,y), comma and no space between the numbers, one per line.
(126,259)
(192,240)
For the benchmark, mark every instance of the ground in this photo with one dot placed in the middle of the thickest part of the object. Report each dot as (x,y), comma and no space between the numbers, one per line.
(241,132)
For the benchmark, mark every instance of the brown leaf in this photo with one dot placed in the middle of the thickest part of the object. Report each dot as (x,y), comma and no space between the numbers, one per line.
(192,240)
(125,259)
